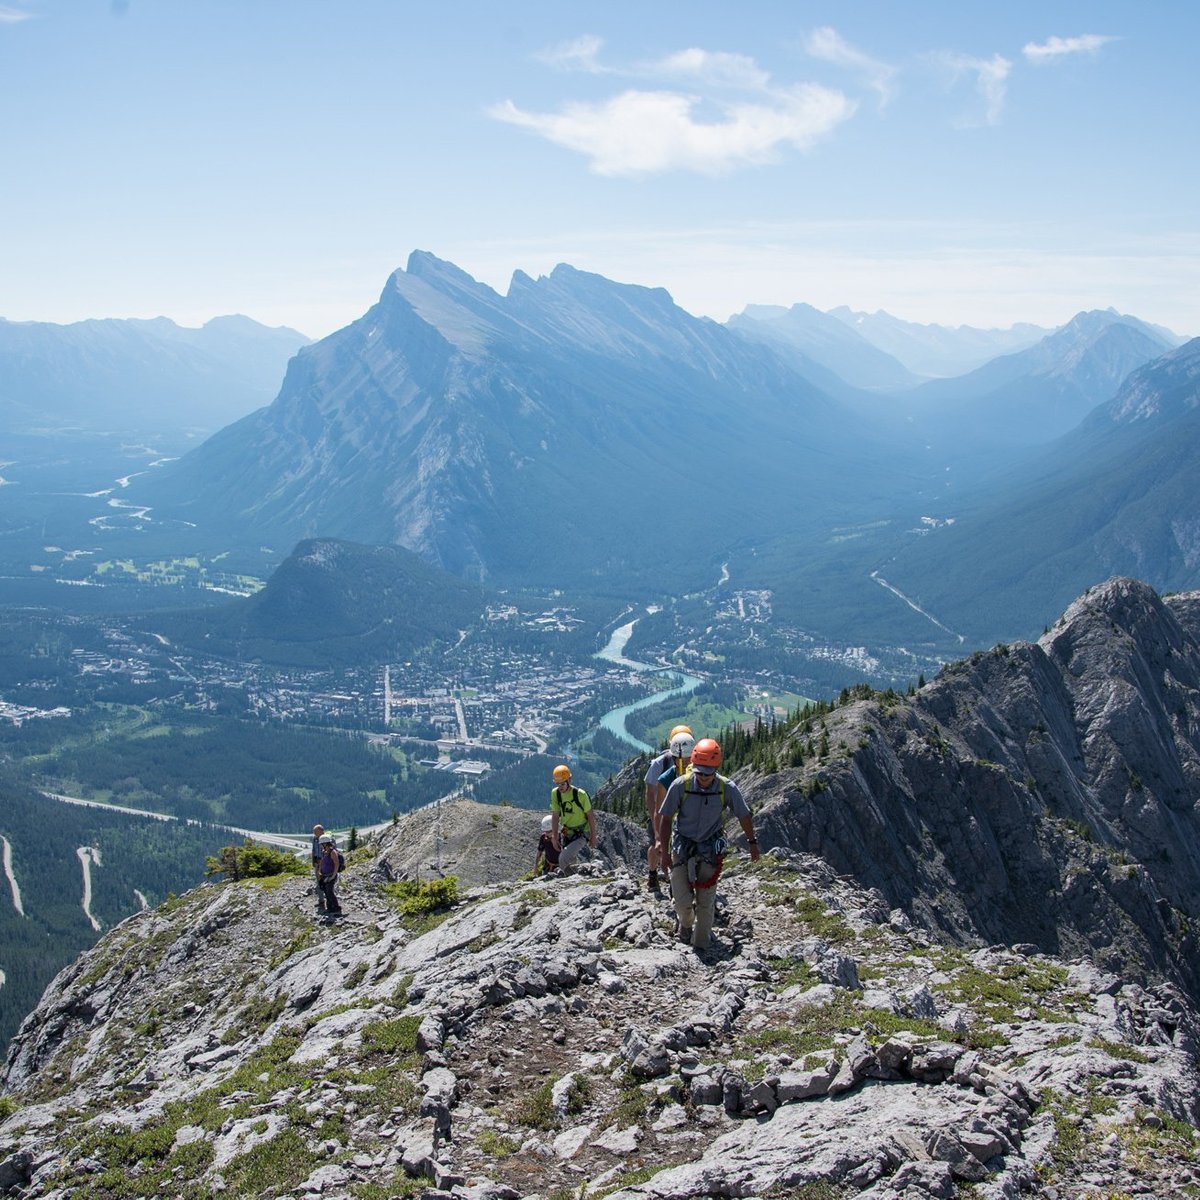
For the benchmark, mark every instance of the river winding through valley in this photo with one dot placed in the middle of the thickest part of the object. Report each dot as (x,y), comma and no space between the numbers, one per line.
(614,719)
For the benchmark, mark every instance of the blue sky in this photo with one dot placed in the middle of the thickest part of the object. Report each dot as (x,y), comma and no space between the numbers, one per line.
(956,162)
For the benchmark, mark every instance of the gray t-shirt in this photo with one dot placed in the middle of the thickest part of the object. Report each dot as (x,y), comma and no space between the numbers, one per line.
(658,766)
(700,817)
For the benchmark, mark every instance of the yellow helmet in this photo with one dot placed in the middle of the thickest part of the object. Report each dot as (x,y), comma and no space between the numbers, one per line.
(679,729)
(562,774)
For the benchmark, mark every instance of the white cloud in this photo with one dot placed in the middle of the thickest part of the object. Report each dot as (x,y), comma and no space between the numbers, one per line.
(580,54)
(10,16)
(647,130)
(991,79)
(716,68)
(642,132)
(829,45)
(1054,49)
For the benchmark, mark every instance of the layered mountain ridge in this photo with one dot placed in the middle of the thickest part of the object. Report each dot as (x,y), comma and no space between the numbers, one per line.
(485,432)
(150,375)
(1034,395)
(1115,495)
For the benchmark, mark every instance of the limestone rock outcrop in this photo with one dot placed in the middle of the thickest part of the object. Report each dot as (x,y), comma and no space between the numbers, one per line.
(1044,794)
(540,1037)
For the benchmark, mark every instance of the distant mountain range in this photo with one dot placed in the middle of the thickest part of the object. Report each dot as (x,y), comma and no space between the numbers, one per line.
(937,351)
(819,344)
(576,432)
(1034,395)
(1117,495)
(138,375)
(592,437)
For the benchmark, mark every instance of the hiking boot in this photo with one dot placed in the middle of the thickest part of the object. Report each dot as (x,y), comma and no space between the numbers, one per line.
(684,933)
(652,880)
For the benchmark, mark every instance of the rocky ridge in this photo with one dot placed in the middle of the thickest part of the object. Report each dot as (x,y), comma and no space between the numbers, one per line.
(1041,793)
(965,967)
(553,1038)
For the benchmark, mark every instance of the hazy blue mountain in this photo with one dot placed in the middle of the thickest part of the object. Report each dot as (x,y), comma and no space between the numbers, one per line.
(573,430)
(335,602)
(1037,394)
(139,375)
(937,350)
(1116,496)
(816,338)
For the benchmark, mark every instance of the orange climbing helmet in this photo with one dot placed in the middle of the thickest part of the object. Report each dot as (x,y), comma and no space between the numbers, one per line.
(706,754)
(562,774)
(678,730)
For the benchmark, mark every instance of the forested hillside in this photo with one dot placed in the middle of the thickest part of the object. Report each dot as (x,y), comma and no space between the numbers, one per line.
(43,925)
(215,768)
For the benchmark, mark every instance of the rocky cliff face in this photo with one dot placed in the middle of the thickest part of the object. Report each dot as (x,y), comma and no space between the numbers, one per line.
(964,967)
(1041,793)
(485,432)
(552,1038)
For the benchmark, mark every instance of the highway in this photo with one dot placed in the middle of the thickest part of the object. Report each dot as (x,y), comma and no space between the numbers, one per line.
(297,843)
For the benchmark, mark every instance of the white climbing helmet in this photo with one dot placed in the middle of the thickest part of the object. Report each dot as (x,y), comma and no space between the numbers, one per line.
(681,745)
(547,823)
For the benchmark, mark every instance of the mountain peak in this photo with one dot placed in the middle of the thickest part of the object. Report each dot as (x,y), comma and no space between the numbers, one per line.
(1164,388)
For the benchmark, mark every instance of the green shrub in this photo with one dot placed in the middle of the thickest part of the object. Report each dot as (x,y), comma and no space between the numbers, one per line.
(254,861)
(398,1036)
(537,1109)
(497,1145)
(417,899)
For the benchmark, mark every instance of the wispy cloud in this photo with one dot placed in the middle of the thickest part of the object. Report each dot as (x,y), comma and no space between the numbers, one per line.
(10,15)
(717,69)
(642,131)
(579,54)
(1054,49)
(829,46)
(991,79)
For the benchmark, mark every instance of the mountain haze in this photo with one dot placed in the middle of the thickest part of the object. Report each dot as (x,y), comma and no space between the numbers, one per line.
(1035,395)
(937,350)
(1117,494)
(815,337)
(564,427)
(135,374)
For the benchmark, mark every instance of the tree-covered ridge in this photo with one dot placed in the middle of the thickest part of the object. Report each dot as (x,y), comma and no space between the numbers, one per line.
(136,855)
(767,746)
(335,602)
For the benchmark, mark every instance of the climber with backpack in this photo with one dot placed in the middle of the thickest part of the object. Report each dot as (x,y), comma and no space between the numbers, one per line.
(328,869)
(571,818)
(656,790)
(691,839)
(546,860)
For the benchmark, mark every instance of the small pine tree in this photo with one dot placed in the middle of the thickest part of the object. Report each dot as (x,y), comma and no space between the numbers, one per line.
(352,838)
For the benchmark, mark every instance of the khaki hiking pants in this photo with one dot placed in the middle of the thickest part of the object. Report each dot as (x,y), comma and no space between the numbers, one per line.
(694,908)
(572,850)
